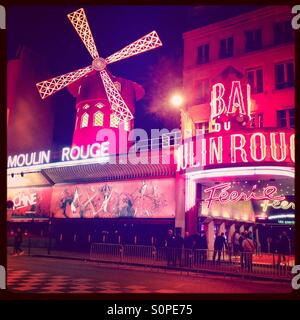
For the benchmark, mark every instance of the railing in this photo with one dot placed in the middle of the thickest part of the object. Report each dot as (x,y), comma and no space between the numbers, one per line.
(244,264)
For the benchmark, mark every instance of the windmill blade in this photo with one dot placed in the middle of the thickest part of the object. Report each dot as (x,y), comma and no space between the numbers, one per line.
(117,103)
(48,87)
(81,25)
(148,42)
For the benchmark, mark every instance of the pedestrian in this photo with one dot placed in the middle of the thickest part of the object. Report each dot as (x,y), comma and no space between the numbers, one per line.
(283,248)
(169,244)
(241,249)
(235,242)
(219,244)
(18,242)
(203,246)
(188,249)
(196,247)
(249,247)
(178,246)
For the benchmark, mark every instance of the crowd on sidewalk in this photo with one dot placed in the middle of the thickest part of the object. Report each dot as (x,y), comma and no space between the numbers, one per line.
(193,249)
(242,245)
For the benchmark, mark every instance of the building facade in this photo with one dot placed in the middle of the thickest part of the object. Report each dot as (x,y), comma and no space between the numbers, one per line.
(255,49)
(233,170)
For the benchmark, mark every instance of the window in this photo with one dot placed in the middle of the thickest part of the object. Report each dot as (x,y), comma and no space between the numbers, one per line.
(284,75)
(114,121)
(99,105)
(226,48)
(286,118)
(283,32)
(98,119)
(202,91)
(257,120)
(203,127)
(86,106)
(253,40)
(255,79)
(84,120)
(203,54)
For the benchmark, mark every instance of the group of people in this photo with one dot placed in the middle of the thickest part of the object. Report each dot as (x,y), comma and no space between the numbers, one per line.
(242,245)
(175,243)
(197,246)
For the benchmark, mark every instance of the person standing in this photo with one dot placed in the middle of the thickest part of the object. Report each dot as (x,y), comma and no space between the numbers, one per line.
(178,246)
(235,242)
(188,249)
(249,247)
(283,248)
(18,242)
(241,249)
(219,244)
(169,244)
(203,246)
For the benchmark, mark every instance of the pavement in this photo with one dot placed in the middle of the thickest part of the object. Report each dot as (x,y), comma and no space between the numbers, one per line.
(51,275)
(262,271)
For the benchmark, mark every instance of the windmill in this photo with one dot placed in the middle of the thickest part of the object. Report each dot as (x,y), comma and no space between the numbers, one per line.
(118,106)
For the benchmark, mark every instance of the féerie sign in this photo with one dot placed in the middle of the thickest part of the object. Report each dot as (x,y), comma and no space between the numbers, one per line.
(223,193)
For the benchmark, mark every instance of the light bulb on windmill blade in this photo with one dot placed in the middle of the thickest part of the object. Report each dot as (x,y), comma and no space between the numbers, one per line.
(118,106)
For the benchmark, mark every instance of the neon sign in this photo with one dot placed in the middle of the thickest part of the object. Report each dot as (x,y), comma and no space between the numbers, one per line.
(285,205)
(238,105)
(249,147)
(28,159)
(94,150)
(221,193)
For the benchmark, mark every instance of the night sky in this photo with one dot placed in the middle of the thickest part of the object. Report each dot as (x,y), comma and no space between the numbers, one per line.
(47,31)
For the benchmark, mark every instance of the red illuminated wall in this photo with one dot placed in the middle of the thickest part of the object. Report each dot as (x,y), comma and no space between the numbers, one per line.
(153,198)
(89,91)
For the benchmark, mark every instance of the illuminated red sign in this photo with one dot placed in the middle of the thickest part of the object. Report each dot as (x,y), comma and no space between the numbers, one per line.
(222,193)
(251,146)
(227,104)
(237,104)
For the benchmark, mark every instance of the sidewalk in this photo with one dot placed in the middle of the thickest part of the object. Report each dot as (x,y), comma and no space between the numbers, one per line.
(224,269)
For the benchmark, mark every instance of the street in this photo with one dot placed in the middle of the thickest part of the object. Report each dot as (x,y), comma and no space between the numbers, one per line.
(49,275)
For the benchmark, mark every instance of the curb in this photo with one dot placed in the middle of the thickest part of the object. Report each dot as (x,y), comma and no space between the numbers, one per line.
(165,268)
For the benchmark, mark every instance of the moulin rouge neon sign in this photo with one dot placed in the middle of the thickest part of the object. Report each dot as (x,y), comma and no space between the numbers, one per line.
(237,105)
(237,148)
(221,194)
(238,145)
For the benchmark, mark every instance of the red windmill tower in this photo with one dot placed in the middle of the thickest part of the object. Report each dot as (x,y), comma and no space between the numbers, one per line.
(100,104)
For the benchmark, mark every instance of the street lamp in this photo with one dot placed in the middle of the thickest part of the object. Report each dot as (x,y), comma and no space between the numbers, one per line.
(177,100)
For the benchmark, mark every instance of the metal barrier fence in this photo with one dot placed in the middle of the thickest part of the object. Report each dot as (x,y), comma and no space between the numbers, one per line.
(243,264)
(199,260)
(29,243)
